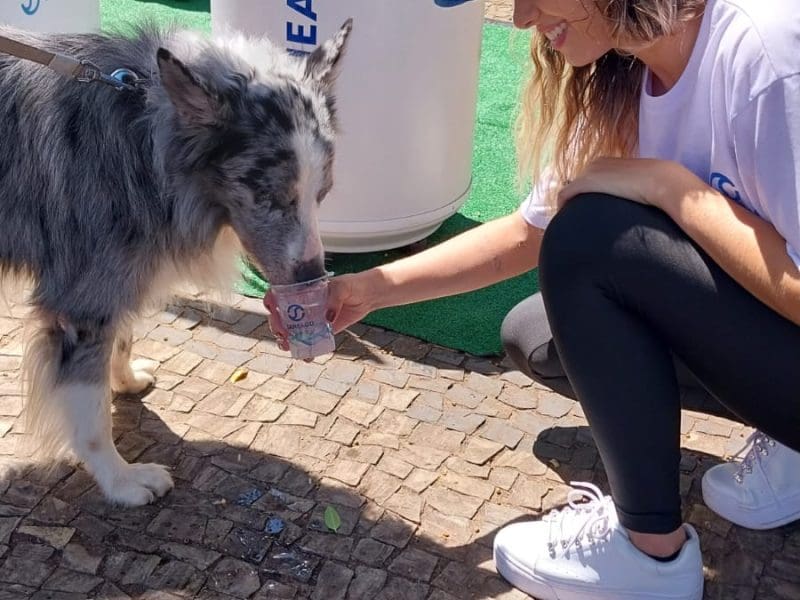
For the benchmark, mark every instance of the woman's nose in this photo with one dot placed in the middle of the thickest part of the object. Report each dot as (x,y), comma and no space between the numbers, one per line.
(525,14)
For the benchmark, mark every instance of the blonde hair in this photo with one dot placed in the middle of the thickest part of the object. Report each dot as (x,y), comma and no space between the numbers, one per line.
(583,113)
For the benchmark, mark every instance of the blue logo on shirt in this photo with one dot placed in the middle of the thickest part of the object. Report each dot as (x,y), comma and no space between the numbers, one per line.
(31,7)
(723,184)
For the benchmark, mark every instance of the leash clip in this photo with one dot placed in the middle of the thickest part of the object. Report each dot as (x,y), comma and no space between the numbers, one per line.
(120,79)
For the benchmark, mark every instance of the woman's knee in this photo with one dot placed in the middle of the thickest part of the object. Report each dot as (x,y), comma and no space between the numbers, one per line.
(513,338)
(527,340)
(593,234)
(577,232)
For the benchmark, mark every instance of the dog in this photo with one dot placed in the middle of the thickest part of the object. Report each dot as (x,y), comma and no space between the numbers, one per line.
(109,197)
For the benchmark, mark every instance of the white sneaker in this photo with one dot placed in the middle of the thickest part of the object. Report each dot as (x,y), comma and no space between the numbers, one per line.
(761,491)
(583,553)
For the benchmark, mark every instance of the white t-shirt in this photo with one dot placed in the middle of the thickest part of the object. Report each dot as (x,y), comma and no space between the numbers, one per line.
(733,117)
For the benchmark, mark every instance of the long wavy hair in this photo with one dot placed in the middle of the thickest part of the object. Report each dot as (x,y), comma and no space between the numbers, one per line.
(572,115)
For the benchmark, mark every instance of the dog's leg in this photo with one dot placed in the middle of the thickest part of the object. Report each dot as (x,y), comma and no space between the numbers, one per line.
(69,410)
(129,377)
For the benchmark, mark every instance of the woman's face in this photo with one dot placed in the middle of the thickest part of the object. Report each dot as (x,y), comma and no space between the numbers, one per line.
(576,28)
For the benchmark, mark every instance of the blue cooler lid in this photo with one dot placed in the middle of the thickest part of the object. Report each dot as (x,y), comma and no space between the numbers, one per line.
(449,3)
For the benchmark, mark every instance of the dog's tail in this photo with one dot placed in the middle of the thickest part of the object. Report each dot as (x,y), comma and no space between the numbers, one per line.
(44,418)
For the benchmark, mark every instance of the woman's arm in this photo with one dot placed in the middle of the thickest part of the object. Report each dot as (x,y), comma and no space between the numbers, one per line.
(487,254)
(748,248)
(477,258)
(484,255)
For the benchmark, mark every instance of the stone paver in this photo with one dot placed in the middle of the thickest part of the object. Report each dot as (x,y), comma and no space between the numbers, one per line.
(422,463)
(423,452)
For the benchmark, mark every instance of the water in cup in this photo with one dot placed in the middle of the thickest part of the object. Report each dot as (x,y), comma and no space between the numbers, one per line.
(302,308)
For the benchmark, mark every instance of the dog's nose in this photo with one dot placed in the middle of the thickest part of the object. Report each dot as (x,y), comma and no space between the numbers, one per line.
(308,270)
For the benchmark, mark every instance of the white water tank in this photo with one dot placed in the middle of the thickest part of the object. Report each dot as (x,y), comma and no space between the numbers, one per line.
(52,16)
(406,98)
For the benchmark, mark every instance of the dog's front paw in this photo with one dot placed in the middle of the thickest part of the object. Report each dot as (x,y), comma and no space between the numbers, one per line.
(144,365)
(138,379)
(139,484)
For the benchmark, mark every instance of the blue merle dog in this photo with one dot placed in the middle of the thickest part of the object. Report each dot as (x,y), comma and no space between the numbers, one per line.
(107,198)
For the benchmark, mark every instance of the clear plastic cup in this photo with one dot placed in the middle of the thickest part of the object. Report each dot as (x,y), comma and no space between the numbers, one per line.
(302,308)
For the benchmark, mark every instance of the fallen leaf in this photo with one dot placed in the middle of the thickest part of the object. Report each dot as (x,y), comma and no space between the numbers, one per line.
(238,375)
(332,519)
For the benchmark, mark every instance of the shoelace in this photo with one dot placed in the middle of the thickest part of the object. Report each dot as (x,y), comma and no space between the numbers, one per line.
(759,444)
(586,516)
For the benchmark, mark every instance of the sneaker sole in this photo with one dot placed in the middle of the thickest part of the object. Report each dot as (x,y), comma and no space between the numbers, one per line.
(751,519)
(522,579)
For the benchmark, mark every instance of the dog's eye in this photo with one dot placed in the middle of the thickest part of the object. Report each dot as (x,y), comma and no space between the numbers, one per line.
(292,200)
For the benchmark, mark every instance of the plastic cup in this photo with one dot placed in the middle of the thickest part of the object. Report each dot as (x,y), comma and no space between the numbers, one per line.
(302,308)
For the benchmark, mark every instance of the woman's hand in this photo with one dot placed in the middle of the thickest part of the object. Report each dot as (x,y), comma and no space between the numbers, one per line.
(348,303)
(349,299)
(642,180)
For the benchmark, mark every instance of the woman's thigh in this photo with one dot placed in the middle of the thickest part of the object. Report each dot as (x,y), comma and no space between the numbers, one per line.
(639,260)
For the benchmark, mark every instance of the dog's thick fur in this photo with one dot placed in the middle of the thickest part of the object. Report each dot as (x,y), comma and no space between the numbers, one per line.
(107,198)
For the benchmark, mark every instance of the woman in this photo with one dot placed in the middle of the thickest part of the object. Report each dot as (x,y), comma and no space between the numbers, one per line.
(666,231)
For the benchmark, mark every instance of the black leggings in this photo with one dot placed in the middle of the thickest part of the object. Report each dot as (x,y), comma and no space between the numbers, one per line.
(639,314)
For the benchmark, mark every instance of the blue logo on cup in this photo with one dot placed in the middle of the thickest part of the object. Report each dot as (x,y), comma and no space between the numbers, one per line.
(31,7)
(296,312)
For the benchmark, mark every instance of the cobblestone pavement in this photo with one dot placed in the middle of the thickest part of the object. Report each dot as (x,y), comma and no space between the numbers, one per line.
(423,453)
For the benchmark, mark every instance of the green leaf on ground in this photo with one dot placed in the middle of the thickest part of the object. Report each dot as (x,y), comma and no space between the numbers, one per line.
(332,519)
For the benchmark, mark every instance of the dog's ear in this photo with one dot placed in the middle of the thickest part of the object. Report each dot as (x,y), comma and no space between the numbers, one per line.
(322,64)
(196,105)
